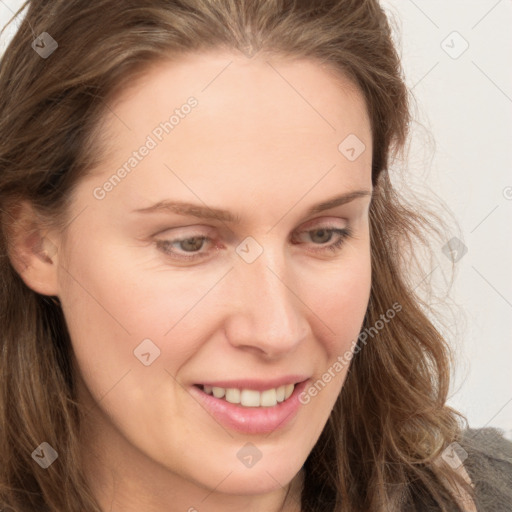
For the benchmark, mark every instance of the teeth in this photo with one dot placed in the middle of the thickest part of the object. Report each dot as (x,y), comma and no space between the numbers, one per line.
(251,397)
(218,392)
(280,393)
(233,395)
(268,398)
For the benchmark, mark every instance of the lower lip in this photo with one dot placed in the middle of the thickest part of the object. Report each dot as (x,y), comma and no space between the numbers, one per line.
(252,420)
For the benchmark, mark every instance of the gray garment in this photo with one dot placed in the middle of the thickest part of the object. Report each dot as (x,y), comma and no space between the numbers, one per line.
(489,465)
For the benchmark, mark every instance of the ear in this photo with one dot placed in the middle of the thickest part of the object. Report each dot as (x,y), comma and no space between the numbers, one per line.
(32,249)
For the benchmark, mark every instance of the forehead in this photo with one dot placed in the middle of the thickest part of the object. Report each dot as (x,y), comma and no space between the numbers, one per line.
(269,120)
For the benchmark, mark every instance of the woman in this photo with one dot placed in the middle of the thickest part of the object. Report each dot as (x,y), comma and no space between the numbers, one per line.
(205,299)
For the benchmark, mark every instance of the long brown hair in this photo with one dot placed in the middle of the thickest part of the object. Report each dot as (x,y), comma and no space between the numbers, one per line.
(390,423)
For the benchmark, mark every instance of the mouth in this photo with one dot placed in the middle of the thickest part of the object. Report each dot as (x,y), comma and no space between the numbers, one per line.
(250,397)
(251,406)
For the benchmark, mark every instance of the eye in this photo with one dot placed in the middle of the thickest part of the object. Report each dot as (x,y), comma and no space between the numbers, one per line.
(326,234)
(190,248)
(187,245)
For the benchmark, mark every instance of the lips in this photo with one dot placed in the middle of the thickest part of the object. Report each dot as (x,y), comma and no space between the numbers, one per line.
(262,411)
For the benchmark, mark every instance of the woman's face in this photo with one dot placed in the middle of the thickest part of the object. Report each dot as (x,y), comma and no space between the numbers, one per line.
(165,302)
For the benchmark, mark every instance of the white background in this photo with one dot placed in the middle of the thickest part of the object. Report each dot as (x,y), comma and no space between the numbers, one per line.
(464,103)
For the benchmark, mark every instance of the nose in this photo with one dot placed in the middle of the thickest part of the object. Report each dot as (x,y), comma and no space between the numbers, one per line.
(266,310)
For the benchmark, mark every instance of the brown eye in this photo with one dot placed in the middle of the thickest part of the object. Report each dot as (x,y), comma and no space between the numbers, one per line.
(183,248)
(192,244)
(324,235)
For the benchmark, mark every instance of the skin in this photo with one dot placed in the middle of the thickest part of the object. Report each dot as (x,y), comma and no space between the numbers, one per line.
(263,144)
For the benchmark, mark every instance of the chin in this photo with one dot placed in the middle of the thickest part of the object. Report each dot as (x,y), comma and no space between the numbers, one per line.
(257,481)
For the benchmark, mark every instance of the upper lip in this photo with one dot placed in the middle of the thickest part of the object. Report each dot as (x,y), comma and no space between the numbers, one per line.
(255,384)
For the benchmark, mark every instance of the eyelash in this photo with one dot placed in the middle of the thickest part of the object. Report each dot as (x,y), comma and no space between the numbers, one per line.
(343,233)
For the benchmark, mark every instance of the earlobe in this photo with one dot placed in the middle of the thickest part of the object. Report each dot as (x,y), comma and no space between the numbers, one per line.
(33,251)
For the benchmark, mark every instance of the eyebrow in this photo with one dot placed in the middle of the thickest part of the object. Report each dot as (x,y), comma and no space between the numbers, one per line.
(205,212)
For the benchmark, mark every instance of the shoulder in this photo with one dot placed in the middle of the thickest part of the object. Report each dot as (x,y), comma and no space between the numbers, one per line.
(488,461)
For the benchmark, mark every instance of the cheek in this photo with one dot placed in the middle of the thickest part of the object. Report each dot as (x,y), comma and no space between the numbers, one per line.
(340,299)
(108,315)
(114,301)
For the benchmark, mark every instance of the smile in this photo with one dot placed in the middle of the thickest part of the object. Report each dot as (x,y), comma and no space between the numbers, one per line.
(239,406)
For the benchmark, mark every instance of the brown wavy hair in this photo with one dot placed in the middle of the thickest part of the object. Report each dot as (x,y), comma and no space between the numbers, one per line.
(379,448)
